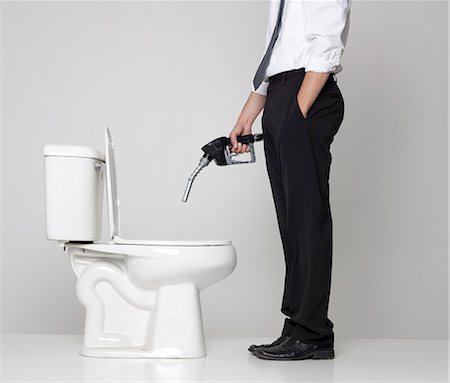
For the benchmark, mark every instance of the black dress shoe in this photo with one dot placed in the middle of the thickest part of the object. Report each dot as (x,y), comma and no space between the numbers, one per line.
(294,349)
(255,347)
(288,328)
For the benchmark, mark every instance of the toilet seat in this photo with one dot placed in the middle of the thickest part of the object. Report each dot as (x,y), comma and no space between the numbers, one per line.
(114,209)
(142,242)
(144,248)
(133,250)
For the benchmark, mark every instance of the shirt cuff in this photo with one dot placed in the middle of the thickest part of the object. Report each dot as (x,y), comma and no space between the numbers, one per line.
(320,64)
(262,89)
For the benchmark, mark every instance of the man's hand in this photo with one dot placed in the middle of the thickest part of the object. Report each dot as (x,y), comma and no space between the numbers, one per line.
(312,84)
(255,103)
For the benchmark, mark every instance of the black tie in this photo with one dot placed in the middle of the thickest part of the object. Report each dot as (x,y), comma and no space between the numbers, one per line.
(261,72)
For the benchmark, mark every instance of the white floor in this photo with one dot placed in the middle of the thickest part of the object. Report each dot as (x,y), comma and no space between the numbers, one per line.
(54,358)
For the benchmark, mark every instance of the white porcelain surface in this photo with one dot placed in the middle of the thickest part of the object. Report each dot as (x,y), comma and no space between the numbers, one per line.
(73,197)
(54,358)
(144,301)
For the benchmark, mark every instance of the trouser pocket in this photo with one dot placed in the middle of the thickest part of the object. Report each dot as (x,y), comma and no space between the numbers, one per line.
(328,101)
(297,107)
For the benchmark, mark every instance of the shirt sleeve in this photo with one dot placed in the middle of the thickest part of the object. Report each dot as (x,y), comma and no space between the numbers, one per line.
(262,89)
(327,23)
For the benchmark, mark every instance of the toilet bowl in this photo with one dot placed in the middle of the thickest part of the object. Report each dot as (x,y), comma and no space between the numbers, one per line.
(142,298)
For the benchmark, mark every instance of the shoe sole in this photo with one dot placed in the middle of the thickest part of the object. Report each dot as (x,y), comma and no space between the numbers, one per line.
(326,354)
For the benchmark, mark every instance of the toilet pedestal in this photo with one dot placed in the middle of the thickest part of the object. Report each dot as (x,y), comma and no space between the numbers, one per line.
(175,327)
(178,323)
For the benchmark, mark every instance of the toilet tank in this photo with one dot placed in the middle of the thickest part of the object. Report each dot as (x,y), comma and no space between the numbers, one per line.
(73,193)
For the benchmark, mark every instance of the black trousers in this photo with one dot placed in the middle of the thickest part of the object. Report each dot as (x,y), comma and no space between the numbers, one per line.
(298,160)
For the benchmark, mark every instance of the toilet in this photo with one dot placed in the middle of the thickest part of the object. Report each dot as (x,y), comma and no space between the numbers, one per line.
(141,297)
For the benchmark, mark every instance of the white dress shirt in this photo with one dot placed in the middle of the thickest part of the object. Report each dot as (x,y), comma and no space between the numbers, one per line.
(313,35)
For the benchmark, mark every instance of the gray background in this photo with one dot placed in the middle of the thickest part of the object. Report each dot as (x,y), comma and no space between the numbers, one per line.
(167,77)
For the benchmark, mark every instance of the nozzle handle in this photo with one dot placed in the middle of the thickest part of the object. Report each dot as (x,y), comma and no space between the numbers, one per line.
(250,138)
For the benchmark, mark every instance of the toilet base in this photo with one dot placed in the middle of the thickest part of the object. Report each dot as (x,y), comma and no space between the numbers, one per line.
(175,328)
(134,353)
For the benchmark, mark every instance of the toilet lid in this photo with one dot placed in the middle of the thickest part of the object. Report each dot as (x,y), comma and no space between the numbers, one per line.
(111,186)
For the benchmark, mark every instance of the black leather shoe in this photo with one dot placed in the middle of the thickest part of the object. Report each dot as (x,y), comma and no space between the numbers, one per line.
(255,347)
(294,349)
(288,328)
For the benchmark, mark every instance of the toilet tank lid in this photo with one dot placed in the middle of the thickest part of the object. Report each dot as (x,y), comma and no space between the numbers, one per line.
(72,151)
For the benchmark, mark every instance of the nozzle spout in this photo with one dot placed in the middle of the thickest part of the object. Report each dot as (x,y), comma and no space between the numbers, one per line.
(204,162)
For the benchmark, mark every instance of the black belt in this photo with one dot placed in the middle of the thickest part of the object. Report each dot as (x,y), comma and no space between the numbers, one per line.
(282,76)
(292,74)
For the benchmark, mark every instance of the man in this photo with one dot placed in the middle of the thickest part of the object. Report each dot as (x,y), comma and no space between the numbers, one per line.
(296,86)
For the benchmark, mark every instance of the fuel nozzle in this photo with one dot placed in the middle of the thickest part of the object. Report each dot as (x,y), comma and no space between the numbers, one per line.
(219,150)
(204,162)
